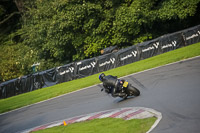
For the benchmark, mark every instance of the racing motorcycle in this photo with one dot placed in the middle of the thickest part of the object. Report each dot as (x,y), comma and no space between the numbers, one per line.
(125,87)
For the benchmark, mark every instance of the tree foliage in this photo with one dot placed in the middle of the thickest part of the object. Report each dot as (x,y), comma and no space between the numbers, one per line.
(56,32)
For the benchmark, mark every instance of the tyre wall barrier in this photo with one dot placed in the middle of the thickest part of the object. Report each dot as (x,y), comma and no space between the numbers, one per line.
(101,63)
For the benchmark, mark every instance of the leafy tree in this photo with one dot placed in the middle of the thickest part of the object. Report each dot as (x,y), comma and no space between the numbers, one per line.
(56,32)
(174,15)
(14,62)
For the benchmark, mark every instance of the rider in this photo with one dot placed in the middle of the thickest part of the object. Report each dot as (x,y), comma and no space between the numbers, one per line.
(111,85)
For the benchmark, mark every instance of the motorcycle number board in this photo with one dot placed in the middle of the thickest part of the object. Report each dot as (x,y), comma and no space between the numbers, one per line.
(125,84)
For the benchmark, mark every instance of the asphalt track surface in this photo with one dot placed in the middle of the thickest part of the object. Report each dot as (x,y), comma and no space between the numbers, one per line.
(173,90)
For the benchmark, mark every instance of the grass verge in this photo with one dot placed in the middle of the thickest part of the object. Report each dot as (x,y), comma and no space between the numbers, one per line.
(107,125)
(59,89)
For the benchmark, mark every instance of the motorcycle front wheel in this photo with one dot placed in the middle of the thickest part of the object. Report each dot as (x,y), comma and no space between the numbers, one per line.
(133,91)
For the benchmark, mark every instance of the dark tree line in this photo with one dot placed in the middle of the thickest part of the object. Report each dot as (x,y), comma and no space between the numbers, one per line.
(56,32)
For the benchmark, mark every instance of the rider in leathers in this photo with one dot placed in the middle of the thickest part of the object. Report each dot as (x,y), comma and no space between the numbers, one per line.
(111,85)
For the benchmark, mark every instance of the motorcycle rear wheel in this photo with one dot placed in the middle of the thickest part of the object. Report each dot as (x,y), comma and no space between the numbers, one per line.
(133,91)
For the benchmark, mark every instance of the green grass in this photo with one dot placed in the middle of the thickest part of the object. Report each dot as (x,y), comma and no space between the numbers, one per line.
(106,125)
(59,89)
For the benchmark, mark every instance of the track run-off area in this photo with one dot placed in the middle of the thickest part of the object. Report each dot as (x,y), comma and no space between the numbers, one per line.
(173,90)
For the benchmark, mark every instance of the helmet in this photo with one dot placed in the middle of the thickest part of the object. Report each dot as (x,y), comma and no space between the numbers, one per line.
(101,76)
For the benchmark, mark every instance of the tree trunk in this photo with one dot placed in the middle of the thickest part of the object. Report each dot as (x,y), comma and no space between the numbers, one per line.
(19,5)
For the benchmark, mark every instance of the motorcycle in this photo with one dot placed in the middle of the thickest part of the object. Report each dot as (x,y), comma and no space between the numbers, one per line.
(125,87)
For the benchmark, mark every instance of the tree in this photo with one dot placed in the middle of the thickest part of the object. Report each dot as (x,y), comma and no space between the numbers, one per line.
(56,32)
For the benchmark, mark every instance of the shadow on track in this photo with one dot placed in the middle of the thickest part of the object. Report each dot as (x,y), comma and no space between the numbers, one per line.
(119,100)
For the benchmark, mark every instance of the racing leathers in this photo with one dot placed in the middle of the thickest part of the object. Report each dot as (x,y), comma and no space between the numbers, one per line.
(111,85)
